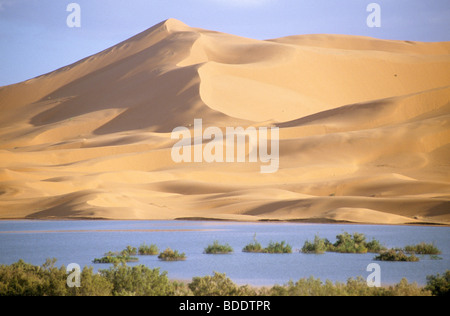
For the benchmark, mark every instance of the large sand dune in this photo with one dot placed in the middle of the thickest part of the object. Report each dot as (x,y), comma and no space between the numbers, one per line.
(364,130)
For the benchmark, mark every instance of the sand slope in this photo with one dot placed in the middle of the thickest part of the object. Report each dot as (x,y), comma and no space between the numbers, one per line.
(364,130)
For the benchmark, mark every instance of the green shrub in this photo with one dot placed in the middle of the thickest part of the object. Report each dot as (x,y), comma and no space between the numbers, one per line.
(170,255)
(347,243)
(91,284)
(319,246)
(22,279)
(278,248)
(374,246)
(406,289)
(253,247)
(217,248)
(146,250)
(218,285)
(353,287)
(439,285)
(118,257)
(315,287)
(129,251)
(423,249)
(271,248)
(115,259)
(138,281)
(395,255)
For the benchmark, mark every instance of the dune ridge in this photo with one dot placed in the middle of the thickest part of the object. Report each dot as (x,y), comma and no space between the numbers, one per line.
(364,130)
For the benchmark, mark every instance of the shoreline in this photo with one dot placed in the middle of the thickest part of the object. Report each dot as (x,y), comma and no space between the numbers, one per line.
(316,221)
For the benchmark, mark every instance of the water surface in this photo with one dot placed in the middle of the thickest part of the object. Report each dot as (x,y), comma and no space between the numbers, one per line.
(82,241)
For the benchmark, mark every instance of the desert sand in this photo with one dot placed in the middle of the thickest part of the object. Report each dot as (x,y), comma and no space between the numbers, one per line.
(364,130)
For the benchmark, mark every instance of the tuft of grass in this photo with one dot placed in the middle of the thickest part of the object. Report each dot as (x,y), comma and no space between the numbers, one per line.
(170,255)
(396,255)
(115,259)
(217,248)
(218,285)
(279,247)
(282,247)
(129,251)
(253,247)
(374,246)
(318,246)
(347,243)
(148,250)
(423,249)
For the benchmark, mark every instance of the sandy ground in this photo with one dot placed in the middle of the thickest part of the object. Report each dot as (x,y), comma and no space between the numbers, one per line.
(364,129)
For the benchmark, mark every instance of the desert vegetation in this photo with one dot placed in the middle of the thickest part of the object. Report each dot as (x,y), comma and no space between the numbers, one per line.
(217,248)
(125,255)
(423,249)
(171,255)
(278,247)
(115,259)
(318,246)
(345,243)
(356,243)
(148,250)
(396,255)
(23,279)
(273,247)
(439,285)
(253,247)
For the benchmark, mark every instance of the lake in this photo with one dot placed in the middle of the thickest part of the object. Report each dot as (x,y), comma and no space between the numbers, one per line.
(82,241)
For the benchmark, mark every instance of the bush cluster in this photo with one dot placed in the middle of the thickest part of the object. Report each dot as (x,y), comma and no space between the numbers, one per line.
(423,249)
(217,248)
(439,285)
(253,247)
(353,287)
(278,248)
(318,246)
(396,255)
(345,243)
(145,250)
(23,279)
(118,257)
(409,252)
(273,247)
(170,255)
(356,243)
(115,259)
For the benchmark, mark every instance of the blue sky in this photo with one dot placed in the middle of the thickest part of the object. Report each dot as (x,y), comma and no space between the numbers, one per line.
(35,39)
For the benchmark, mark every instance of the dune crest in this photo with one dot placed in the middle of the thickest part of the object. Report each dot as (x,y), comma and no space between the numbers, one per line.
(364,130)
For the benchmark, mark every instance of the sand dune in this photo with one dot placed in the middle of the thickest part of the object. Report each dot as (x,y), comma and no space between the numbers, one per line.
(364,130)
